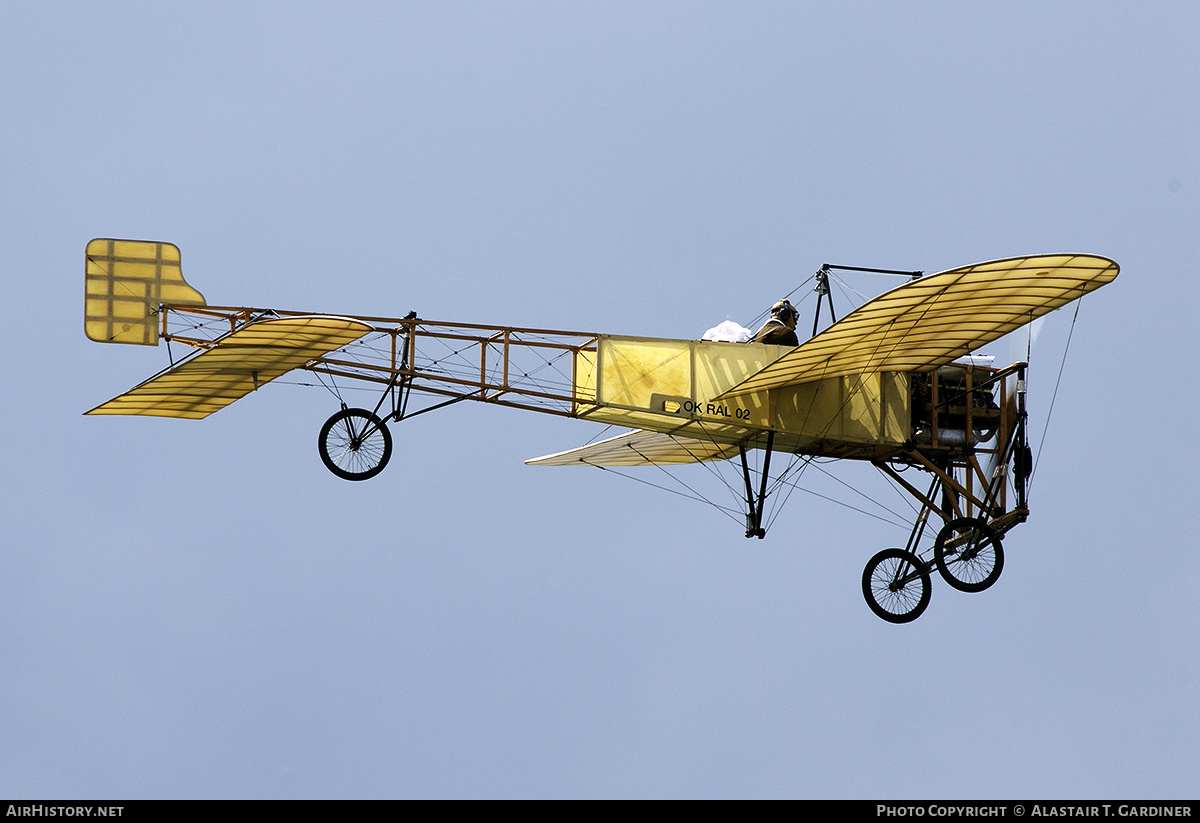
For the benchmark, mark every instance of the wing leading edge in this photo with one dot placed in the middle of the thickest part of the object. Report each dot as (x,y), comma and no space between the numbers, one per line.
(239,363)
(931,321)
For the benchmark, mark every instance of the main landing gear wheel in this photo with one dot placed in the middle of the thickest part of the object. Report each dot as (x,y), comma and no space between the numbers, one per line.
(968,554)
(355,444)
(896,585)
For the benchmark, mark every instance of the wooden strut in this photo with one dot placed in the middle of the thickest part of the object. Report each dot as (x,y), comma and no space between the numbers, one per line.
(950,483)
(992,509)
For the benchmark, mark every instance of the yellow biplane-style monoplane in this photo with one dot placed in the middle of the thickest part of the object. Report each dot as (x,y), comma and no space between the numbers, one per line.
(896,382)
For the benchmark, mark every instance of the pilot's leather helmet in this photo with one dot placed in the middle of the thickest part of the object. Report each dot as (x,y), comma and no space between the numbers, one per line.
(783,311)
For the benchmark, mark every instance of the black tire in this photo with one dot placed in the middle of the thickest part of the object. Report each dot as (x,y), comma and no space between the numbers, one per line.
(896,585)
(968,554)
(355,444)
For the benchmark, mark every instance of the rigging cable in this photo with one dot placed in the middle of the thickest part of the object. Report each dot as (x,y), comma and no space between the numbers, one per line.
(721,509)
(761,317)
(332,387)
(668,474)
(1054,396)
(863,494)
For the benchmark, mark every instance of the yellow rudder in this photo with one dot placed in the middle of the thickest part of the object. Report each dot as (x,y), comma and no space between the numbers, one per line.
(126,281)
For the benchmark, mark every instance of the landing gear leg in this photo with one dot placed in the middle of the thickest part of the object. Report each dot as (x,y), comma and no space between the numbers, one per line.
(754,503)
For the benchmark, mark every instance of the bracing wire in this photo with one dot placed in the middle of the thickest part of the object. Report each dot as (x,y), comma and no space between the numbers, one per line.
(859,492)
(761,317)
(845,505)
(699,499)
(667,473)
(792,485)
(1054,395)
(598,435)
(331,387)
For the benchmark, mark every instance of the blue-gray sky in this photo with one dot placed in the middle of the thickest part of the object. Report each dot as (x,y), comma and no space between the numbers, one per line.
(201,610)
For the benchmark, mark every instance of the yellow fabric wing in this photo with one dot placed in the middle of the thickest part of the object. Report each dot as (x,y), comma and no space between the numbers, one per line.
(238,364)
(639,448)
(931,321)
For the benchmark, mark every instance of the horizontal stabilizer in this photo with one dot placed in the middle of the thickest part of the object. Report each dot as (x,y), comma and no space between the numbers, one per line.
(931,321)
(639,448)
(238,364)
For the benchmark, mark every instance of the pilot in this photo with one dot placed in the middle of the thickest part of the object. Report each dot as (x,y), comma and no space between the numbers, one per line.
(780,330)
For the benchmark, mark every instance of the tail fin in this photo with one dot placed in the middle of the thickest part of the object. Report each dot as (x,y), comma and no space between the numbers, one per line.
(125,283)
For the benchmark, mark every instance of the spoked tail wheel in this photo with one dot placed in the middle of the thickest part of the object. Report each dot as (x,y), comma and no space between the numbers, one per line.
(968,554)
(355,444)
(896,585)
